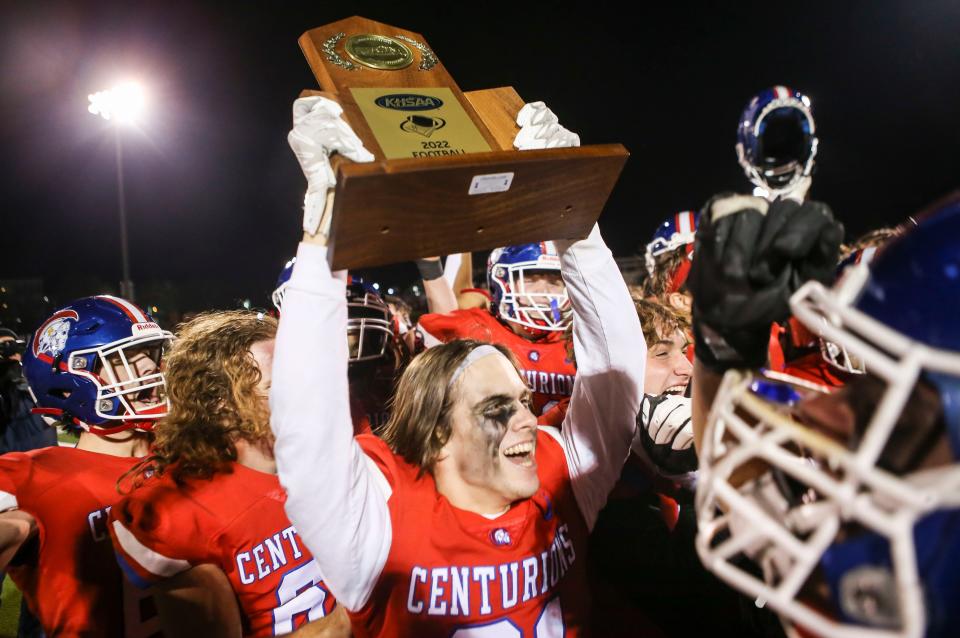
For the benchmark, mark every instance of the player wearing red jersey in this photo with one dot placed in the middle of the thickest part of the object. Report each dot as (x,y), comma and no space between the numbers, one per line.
(206,520)
(94,366)
(529,314)
(466,519)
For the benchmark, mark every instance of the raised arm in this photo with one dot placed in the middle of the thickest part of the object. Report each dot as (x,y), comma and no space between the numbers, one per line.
(436,287)
(336,497)
(611,356)
(750,256)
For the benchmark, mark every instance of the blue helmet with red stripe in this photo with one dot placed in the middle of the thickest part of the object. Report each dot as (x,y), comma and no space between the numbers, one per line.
(95,364)
(776,141)
(537,312)
(678,230)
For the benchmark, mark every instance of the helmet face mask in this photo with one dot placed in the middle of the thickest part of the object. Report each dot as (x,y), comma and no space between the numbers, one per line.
(509,272)
(95,364)
(371,334)
(833,535)
(369,328)
(130,385)
(867,528)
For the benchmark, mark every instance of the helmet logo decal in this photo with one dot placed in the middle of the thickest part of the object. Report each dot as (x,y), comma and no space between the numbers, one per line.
(144,328)
(51,337)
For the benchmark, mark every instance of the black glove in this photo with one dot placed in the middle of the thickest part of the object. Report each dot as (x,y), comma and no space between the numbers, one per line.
(666,433)
(749,257)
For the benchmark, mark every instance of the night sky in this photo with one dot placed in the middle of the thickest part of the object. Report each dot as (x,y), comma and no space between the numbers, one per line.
(214,193)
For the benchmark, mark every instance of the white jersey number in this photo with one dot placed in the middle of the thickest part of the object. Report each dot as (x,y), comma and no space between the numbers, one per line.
(550,625)
(299,593)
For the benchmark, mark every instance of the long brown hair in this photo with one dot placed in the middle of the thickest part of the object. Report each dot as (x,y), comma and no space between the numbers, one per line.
(212,385)
(419,424)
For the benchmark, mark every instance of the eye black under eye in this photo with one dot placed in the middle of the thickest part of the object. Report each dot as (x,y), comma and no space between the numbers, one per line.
(500,414)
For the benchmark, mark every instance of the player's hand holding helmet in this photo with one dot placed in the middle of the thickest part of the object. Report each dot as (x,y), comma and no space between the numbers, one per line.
(318,131)
(751,256)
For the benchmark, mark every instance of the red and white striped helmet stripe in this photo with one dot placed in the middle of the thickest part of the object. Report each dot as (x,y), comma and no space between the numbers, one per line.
(685,222)
(781,92)
(135,314)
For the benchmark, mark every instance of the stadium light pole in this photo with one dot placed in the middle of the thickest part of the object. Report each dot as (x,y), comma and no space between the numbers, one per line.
(120,105)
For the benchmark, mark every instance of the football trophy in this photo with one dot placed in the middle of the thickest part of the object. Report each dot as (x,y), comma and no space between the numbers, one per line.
(446,177)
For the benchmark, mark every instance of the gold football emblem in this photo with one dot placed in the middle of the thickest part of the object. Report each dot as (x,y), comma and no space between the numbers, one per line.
(379,52)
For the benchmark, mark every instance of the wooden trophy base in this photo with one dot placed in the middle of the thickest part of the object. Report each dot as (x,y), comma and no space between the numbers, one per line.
(446,177)
(393,210)
(398,210)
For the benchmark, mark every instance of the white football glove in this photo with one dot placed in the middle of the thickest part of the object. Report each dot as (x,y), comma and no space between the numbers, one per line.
(665,432)
(540,128)
(318,130)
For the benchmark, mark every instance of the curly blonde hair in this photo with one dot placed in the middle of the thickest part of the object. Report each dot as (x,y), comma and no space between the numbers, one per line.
(212,386)
(659,320)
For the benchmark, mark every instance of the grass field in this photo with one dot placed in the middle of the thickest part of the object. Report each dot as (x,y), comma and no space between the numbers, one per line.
(9,609)
(66,438)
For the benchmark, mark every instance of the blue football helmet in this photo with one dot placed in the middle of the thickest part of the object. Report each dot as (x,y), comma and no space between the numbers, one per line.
(537,312)
(680,229)
(82,369)
(852,514)
(776,141)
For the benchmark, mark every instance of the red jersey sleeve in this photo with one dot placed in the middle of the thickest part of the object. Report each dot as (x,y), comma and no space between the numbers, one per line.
(14,470)
(555,415)
(459,324)
(156,534)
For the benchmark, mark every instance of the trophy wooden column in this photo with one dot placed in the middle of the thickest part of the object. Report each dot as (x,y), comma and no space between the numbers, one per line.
(446,176)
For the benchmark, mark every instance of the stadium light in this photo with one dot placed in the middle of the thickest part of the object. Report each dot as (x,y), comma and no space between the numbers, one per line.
(124,103)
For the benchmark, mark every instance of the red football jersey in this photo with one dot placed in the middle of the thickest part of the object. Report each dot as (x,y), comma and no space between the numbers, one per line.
(548,371)
(366,420)
(451,570)
(69,576)
(234,520)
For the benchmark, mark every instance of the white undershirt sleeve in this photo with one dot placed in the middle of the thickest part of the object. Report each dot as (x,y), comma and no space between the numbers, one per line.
(611,356)
(336,497)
